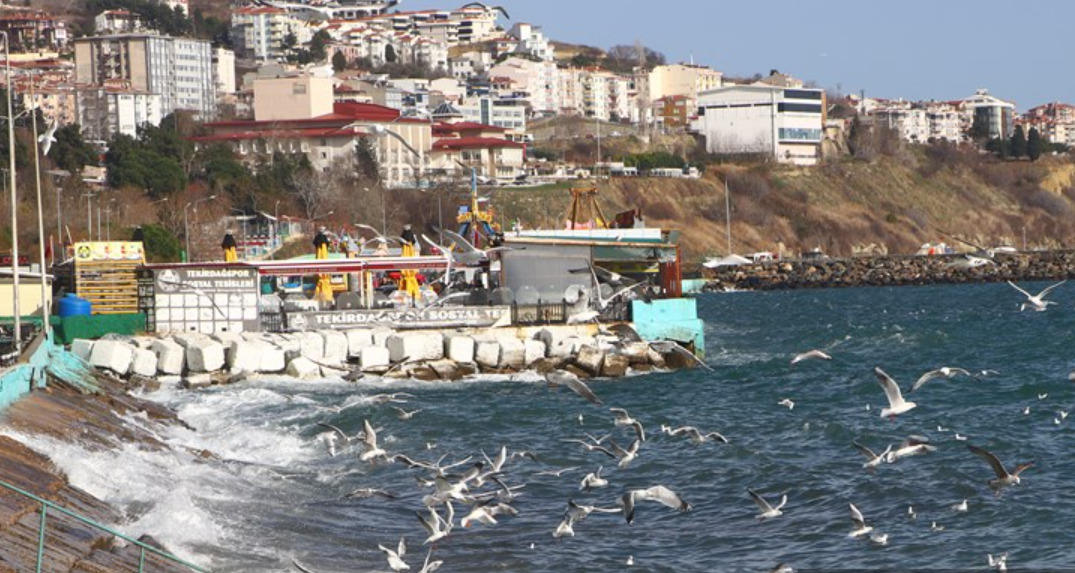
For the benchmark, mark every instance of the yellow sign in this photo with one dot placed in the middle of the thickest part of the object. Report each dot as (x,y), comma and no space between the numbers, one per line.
(110,251)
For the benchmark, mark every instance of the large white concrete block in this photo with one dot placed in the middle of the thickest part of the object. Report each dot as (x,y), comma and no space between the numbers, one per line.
(380,336)
(415,346)
(303,369)
(459,348)
(243,356)
(82,348)
(144,363)
(312,345)
(374,357)
(357,339)
(226,338)
(195,381)
(113,355)
(590,359)
(512,353)
(487,353)
(335,347)
(535,350)
(170,356)
(272,358)
(205,355)
(562,347)
(636,352)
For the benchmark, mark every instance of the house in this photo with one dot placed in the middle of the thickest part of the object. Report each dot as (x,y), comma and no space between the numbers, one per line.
(260,32)
(996,115)
(117,22)
(33,31)
(480,147)
(674,111)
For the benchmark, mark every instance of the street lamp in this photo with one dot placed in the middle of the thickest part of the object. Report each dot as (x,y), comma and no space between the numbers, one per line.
(17,339)
(186,227)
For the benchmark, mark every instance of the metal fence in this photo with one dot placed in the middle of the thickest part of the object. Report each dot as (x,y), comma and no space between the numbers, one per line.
(539,314)
(272,321)
(143,549)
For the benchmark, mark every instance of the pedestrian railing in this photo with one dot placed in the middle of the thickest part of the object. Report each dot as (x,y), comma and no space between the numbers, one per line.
(143,548)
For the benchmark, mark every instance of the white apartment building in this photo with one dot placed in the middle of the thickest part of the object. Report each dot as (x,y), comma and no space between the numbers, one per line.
(372,43)
(910,122)
(107,110)
(681,80)
(998,115)
(117,22)
(596,93)
(224,71)
(786,124)
(530,40)
(509,113)
(540,81)
(258,32)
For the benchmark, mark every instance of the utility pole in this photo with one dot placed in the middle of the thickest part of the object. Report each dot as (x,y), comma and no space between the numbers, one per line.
(728,215)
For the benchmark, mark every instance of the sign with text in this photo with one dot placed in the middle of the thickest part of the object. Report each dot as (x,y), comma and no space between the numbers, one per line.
(437,317)
(205,300)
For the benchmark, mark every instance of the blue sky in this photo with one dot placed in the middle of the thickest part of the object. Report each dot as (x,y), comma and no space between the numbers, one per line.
(916,49)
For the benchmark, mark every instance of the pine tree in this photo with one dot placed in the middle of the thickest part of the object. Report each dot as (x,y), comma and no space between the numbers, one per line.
(1033,144)
(339,62)
(1018,143)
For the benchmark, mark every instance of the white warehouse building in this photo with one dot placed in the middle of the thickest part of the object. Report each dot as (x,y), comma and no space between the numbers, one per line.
(784,123)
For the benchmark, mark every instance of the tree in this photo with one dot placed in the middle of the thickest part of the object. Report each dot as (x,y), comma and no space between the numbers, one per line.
(319,45)
(339,61)
(1033,144)
(1018,143)
(70,152)
(160,244)
(390,54)
(289,41)
(979,129)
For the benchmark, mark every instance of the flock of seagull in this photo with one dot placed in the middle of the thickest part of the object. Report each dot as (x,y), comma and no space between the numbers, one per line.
(470,492)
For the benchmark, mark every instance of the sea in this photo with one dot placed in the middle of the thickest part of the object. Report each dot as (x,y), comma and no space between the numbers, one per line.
(272,493)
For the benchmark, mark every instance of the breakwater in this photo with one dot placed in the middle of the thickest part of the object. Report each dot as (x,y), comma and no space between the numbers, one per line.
(893,271)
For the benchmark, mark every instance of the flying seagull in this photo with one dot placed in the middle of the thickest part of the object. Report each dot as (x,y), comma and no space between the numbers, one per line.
(565,378)
(368,492)
(873,460)
(657,493)
(896,404)
(622,419)
(946,372)
(593,480)
(436,526)
(395,557)
(666,346)
(48,138)
(1004,478)
(369,439)
(1037,302)
(860,523)
(1000,562)
(811,354)
(912,446)
(696,437)
(767,510)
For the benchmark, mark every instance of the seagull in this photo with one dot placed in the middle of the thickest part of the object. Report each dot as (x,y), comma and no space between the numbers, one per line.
(810,354)
(579,513)
(428,566)
(960,507)
(666,346)
(787,402)
(630,560)
(368,492)
(1026,411)
(370,441)
(565,529)
(436,526)
(1043,396)
(580,419)
(1037,302)
(395,397)
(594,445)
(696,437)
(48,138)
(403,414)
(872,460)
(658,493)
(860,524)
(565,378)
(911,512)
(623,419)
(912,446)
(1063,414)
(557,473)
(896,404)
(941,428)
(301,567)
(487,514)
(879,538)
(767,511)
(626,456)
(1003,478)
(933,526)
(395,558)
(593,480)
(1000,562)
(782,568)
(959,437)
(942,372)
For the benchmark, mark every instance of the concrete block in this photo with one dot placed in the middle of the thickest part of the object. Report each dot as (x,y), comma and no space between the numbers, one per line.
(606,343)
(615,366)
(303,369)
(357,339)
(82,348)
(487,354)
(226,338)
(170,356)
(512,353)
(562,348)
(380,336)
(535,350)
(195,381)
(636,352)
(205,355)
(113,355)
(655,358)
(459,348)
(374,357)
(312,345)
(243,356)
(415,346)
(144,363)
(335,347)
(327,372)
(271,358)
(185,339)
(590,359)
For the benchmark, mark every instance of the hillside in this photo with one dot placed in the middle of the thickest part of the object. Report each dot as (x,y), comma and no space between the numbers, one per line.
(896,204)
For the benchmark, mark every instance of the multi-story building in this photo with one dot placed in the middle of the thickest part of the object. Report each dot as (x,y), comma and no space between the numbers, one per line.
(483,148)
(1054,121)
(506,112)
(259,32)
(116,107)
(179,69)
(995,114)
(539,81)
(117,22)
(786,124)
(224,71)
(33,31)
(903,117)
(530,40)
(681,80)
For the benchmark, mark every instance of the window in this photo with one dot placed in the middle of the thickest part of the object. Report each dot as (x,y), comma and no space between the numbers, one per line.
(799,134)
(799,107)
(298,89)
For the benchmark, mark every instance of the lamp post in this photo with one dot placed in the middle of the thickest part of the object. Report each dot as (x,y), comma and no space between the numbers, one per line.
(275,230)
(186,226)
(89,215)
(17,339)
(46,299)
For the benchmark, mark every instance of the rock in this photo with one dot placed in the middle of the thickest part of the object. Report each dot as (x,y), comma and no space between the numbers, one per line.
(615,366)
(546,365)
(467,369)
(226,338)
(415,346)
(329,372)
(380,336)
(82,348)
(243,356)
(512,353)
(487,354)
(677,361)
(113,355)
(572,368)
(636,352)
(204,355)
(312,345)
(271,358)
(423,372)
(148,383)
(459,348)
(446,369)
(195,381)
(357,339)
(303,369)
(336,347)
(655,358)
(144,363)
(590,359)
(534,351)
(374,357)
(562,348)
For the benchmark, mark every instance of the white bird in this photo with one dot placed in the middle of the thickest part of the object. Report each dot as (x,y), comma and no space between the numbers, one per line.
(879,538)
(945,372)
(626,456)
(557,473)
(565,529)
(960,507)
(48,138)
(912,446)
(581,419)
(565,378)
(896,404)
(623,419)
(767,510)
(630,560)
(960,437)
(436,526)
(485,514)
(1063,414)
(1000,562)
(578,512)
(1043,396)
(657,493)
(403,414)
(1037,302)
(1004,478)
(787,402)
(593,480)
(368,492)
(395,558)
(694,435)
(860,523)
(810,354)
(1026,411)
(941,428)
(430,566)
(782,568)
(370,441)
(1056,421)
(873,460)
(934,526)
(911,512)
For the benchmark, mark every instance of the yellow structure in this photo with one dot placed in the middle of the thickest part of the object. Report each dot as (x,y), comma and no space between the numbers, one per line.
(324,282)
(408,280)
(230,256)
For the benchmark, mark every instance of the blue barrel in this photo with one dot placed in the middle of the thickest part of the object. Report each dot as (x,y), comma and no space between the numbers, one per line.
(72,305)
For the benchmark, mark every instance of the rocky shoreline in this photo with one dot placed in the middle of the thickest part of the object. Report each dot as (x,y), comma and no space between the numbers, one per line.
(893,271)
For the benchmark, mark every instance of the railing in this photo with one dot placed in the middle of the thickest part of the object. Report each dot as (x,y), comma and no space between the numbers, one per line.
(143,548)
(538,314)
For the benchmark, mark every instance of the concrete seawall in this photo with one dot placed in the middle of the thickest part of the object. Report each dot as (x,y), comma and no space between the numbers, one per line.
(893,271)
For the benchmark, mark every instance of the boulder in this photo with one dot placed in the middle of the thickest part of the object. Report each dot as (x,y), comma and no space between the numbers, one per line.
(487,354)
(357,339)
(226,338)
(512,353)
(655,358)
(312,345)
(374,357)
(328,372)
(170,356)
(534,351)
(113,355)
(380,336)
(467,369)
(82,348)
(144,363)
(590,359)
(194,381)
(615,366)
(423,372)
(303,369)
(562,348)
(271,358)
(636,352)
(243,356)
(204,355)
(446,369)
(459,348)
(415,346)
(336,347)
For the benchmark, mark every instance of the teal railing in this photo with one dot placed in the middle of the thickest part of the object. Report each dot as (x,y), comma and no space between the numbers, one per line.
(143,548)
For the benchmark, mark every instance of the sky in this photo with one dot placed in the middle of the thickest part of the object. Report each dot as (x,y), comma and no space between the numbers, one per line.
(912,49)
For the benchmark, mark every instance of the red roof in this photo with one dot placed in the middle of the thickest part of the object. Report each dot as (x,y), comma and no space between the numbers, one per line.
(254,10)
(301,133)
(453,144)
(445,127)
(343,112)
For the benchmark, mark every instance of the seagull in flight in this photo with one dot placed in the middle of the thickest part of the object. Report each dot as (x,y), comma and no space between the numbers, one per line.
(896,404)
(369,439)
(658,493)
(436,526)
(593,480)
(860,523)
(565,378)
(1004,478)
(1037,302)
(946,372)
(1000,562)
(767,510)
(623,419)
(368,492)
(912,446)
(403,414)
(810,355)
(694,435)
(48,138)
(395,557)
(787,402)
(873,460)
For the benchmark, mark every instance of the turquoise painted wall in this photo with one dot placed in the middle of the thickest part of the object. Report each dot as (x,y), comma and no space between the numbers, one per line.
(670,319)
(17,380)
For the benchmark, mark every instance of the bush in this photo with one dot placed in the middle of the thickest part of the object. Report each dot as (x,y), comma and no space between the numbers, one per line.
(160,244)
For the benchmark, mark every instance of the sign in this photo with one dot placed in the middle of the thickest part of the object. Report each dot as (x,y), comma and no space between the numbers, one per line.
(5,260)
(109,251)
(436,317)
(205,300)
(209,280)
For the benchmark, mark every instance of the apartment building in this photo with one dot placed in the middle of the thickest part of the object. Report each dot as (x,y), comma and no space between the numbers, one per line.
(529,39)
(116,107)
(538,81)
(180,70)
(117,22)
(996,114)
(786,124)
(681,80)
(258,32)
(1054,121)
(33,31)
(506,112)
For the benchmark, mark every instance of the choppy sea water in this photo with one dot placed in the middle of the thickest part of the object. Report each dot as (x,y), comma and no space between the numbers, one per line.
(276,494)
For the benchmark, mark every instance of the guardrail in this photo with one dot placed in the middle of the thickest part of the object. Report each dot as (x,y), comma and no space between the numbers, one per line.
(143,548)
